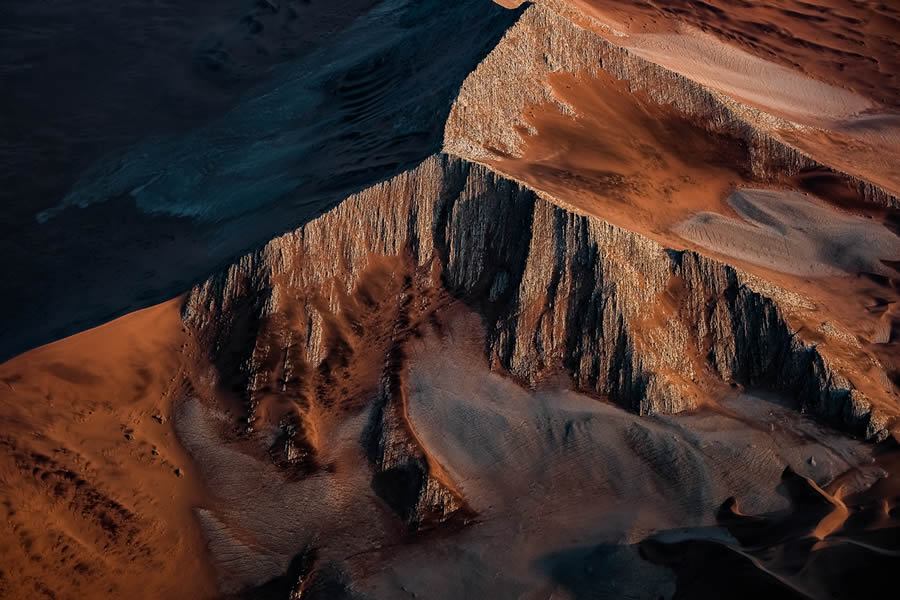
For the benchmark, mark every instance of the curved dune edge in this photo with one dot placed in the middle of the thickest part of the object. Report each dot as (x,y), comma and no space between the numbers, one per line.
(849,45)
(97,490)
(793,233)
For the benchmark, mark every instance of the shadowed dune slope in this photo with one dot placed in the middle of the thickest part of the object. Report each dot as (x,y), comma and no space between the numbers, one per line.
(154,203)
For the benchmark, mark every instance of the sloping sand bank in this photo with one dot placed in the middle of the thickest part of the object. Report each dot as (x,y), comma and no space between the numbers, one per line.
(794,233)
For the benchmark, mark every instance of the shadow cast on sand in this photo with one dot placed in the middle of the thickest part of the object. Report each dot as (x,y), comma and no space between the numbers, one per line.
(148,216)
(823,546)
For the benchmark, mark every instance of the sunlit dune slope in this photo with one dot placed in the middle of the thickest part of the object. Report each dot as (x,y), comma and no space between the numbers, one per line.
(850,44)
(96,491)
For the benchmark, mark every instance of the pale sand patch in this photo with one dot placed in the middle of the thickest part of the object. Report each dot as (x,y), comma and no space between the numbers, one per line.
(794,233)
(553,473)
(750,79)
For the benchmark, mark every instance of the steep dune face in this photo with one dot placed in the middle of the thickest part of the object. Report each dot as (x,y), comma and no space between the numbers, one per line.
(622,316)
(141,70)
(516,451)
(605,131)
(305,343)
(324,531)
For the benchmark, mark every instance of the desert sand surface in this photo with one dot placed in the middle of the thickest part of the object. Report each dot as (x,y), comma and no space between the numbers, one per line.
(836,126)
(773,88)
(841,116)
(570,495)
(620,156)
(847,43)
(453,376)
(646,163)
(97,492)
(497,440)
(634,163)
(612,478)
(794,233)
(565,488)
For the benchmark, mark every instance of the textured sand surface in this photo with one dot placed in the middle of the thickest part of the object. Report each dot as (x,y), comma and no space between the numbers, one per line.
(565,485)
(90,499)
(836,126)
(343,415)
(771,87)
(553,476)
(794,233)
(848,43)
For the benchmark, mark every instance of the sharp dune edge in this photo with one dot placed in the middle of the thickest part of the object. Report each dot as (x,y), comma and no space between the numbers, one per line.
(544,41)
(461,383)
(560,291)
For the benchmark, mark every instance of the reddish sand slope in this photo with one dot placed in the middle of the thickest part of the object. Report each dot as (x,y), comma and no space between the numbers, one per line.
(848,43)
(90,497)
(646,168)
(840,113)
(617,154)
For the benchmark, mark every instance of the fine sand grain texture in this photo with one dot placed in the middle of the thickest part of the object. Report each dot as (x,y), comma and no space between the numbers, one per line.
(796,234)
(598,147)
(840,116)
(835,126)
(850,44)
(566,486)
(764,84)
(124,462)
(96,493)
(620,156)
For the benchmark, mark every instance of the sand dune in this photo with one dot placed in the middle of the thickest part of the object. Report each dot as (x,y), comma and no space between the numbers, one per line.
(564,487)
(790,60)
(803,552)
(833,125)
(601,148)
(160,204)
(378,405)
